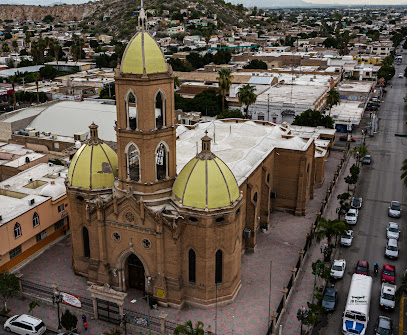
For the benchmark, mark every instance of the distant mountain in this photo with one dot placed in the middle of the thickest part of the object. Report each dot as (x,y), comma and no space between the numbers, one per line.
(280,3)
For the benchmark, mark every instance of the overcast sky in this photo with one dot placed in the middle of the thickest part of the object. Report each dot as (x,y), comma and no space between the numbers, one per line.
(245,2)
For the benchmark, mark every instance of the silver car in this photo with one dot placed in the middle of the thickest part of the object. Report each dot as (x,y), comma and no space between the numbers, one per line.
(394,209)
(392,249)
(393,230)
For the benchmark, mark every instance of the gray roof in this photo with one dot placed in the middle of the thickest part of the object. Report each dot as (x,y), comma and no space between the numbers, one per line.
(12,72)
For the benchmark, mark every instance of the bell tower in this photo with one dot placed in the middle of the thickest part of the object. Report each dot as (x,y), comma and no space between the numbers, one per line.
(145,127)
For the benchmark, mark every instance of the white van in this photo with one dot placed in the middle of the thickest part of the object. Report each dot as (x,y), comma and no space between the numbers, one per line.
(356,315)
(25,325)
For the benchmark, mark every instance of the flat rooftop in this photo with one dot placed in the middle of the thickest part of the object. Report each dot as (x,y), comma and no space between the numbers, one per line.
(33,183)
(347,111)
(355,86)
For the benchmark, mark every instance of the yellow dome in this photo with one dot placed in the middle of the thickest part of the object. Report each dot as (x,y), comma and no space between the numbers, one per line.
(205,182)
(94,165)
(143,52)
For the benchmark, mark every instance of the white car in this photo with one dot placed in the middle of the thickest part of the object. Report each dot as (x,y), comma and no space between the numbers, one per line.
(338,268)
(392,249)
(25,325)
(388,296)
(400,75)
(393,230)
(347,237)
(352,216)
(394,209)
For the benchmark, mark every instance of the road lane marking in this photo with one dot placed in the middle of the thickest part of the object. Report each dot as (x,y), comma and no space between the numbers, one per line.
(401,331)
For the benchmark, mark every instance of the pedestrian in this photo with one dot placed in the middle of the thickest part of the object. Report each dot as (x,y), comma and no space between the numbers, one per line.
(85,325)
(83,318)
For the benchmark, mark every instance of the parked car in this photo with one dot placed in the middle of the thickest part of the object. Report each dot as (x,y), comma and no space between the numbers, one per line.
(329,299)
(392,249)
(389,273)
(345,138)
(367,160)
(25,325)
(356,203)
(338,268)
(393,230)
(384,325)
(351,216)
(388,296)
(400,75)
(394,209)
(362,268)
(346,238)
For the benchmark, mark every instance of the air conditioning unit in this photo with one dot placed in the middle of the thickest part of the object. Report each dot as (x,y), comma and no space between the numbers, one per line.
(47,133)
(31,202)
(29,129)
(247,233)
(34,133)
(53,137)
(79,137)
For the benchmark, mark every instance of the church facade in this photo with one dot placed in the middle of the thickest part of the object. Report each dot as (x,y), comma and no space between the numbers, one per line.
(136,223)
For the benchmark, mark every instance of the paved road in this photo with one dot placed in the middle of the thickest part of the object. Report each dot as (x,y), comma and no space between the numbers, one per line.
(380,183)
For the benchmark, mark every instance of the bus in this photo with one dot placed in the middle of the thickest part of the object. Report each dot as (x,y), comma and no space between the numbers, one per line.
(356,315)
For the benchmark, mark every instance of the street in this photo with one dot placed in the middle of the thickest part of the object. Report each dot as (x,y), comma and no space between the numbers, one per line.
(379,183)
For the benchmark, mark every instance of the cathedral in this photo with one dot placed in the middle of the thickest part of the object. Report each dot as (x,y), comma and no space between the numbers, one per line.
(177,235)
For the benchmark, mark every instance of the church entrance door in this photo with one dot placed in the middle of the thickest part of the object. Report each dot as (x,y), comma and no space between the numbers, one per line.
(136,273)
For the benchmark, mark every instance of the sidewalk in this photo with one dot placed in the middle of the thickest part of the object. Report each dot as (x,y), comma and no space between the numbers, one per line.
(280,244)
(304,288)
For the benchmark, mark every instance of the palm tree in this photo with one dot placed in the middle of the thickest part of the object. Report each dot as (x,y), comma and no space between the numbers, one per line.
(188,329)
(332,99)
(329,229)
(247,97)
(36,77)
(404,172)
(225,82)
(5,47)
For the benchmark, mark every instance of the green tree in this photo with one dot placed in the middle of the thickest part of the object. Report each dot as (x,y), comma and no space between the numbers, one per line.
(12,81)
(32,305)
(247,97)
(315,312)
(402,288)
(48,19)
(225,82)
(313,118)
(68,320)
(321,269)
(48,72)
(359,152)
(332,99)
(208,102)
(14,44)
(256,64)
(222,57)
(404,172)
(5,47)
(230,114)
(9,286)
(387,72)
(188,329)
(329,229)
(344,205)
(177,83)
(36,77)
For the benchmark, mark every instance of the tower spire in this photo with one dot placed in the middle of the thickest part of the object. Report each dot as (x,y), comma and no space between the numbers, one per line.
(142,19)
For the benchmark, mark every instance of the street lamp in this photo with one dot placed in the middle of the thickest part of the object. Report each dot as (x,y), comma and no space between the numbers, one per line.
(302,314)
(57,298)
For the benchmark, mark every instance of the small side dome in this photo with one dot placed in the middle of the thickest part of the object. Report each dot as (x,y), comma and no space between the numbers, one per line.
(206,182)
(94,166)
(53,190)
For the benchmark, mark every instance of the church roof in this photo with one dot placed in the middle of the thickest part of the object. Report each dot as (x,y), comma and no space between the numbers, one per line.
(94,166)
(143,55)
(205,182)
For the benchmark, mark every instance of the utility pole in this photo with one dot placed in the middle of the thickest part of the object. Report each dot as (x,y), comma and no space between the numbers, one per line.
(268,107)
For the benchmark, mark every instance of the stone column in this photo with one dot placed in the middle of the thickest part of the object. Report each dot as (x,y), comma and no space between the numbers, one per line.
(293,273)
(95,308)
(19,275)
(163,317)
(284,291)
(273,320)
(301,252)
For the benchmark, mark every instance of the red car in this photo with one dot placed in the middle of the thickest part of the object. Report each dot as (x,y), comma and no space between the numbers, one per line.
(389,273)
(362,268)
(345,138)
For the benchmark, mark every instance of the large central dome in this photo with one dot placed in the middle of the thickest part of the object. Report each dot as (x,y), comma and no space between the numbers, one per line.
(143,55)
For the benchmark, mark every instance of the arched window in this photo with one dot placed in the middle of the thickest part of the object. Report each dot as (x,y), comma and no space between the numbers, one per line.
(218,267)
(86,248)
(192,266)
(17,230)
(133,163)
(255,197)
(161,162)
(131,109)
(36,219)
(159,111)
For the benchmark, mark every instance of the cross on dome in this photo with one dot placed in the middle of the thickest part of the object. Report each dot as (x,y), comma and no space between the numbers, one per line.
(142,19)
